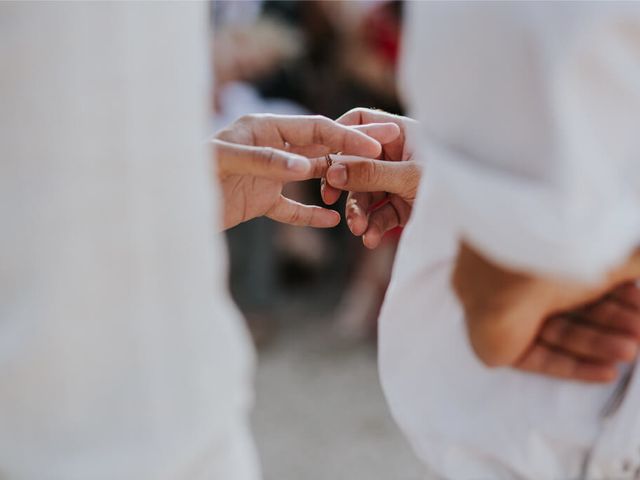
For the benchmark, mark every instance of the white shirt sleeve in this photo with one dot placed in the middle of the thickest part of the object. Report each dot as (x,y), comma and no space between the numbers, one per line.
(529,126)
(121,355)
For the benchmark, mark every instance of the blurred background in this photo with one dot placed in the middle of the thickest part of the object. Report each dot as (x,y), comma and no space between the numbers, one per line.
(311,297)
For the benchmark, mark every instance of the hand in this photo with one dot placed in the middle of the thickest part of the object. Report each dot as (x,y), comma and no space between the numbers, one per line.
(505,310)
(587,344)
(258,154)
(382,189)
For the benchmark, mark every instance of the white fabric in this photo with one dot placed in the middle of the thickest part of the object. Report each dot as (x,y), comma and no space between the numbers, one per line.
(529,116)
(121,355)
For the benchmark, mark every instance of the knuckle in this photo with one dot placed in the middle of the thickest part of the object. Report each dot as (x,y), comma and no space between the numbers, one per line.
(322,120)
(371,173)
(358,112)
(294,216)
(248,118)
(320,123)
(309,217)
(271,158)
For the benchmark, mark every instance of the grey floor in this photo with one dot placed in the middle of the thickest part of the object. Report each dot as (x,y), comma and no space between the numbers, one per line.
(320,413)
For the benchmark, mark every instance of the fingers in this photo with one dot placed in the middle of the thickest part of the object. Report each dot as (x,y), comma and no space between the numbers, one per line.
(383,219)
(235,159)
(357,210)
(614,315)
(309,151)
(366,175)
(389,216)
(373,225)
(382,132)
(330,195)
(587,341)
(289,211)
(302,130)
(545,360)
(360,116)
(393,150)
(628,294)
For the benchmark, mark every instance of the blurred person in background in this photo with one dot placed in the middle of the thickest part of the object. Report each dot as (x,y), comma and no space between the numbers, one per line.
(530,203)
(121,354)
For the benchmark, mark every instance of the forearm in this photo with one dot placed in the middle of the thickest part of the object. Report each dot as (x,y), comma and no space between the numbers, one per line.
(505,310)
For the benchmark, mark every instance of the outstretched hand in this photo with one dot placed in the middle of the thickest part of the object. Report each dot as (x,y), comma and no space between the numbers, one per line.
(257,154)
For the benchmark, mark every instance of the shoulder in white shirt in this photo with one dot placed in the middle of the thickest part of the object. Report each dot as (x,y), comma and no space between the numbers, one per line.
(529,116)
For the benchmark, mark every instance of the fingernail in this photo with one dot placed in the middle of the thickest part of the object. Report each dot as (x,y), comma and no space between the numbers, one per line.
(337,175)
(298,164)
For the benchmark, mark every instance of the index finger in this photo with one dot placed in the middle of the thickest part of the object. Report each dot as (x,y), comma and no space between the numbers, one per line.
(360,116)
(628,294)
(318,130)
(393,150)
(545,360)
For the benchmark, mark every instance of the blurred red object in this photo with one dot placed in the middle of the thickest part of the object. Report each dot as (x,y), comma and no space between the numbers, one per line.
(381,28)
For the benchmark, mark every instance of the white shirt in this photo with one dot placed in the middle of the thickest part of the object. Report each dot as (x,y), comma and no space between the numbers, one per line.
(529,108)
(121,354)
(529,117)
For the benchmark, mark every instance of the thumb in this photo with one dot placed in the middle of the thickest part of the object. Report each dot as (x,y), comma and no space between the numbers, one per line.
(236,159)
(357,174)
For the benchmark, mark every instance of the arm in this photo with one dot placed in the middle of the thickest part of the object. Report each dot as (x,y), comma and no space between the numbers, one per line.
(515,319)
(530,130)
(505,310)
(532,134)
